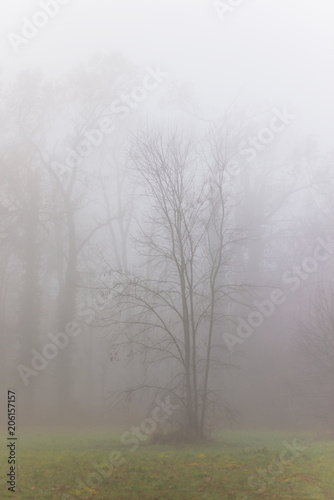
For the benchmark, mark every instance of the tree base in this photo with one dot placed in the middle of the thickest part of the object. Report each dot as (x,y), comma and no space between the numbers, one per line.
(179,437)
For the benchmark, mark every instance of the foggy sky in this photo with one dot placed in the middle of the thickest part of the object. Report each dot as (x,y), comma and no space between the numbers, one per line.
(278,51)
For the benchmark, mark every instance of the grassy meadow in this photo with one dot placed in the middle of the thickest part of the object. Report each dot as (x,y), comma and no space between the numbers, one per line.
(235,466)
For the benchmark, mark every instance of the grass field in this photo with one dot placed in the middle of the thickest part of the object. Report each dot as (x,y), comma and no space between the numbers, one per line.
(238,466)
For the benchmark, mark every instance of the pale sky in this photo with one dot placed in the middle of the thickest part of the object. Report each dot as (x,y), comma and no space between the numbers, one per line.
(276,50)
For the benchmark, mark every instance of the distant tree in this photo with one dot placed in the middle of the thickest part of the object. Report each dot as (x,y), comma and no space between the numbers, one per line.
(315,341)
(171,307)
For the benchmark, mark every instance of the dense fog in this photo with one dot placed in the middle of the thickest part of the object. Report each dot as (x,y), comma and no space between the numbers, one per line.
(166,212)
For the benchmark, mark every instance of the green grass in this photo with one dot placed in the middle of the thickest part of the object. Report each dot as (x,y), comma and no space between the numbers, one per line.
(239,466)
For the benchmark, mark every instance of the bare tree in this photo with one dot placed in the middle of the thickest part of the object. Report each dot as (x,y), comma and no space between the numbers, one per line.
(173,311)
(315,341)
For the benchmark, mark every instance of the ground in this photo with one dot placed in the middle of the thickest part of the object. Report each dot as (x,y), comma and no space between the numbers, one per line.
(238,466)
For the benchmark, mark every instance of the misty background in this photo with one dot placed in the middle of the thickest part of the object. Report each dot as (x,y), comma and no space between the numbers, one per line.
(79,99)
